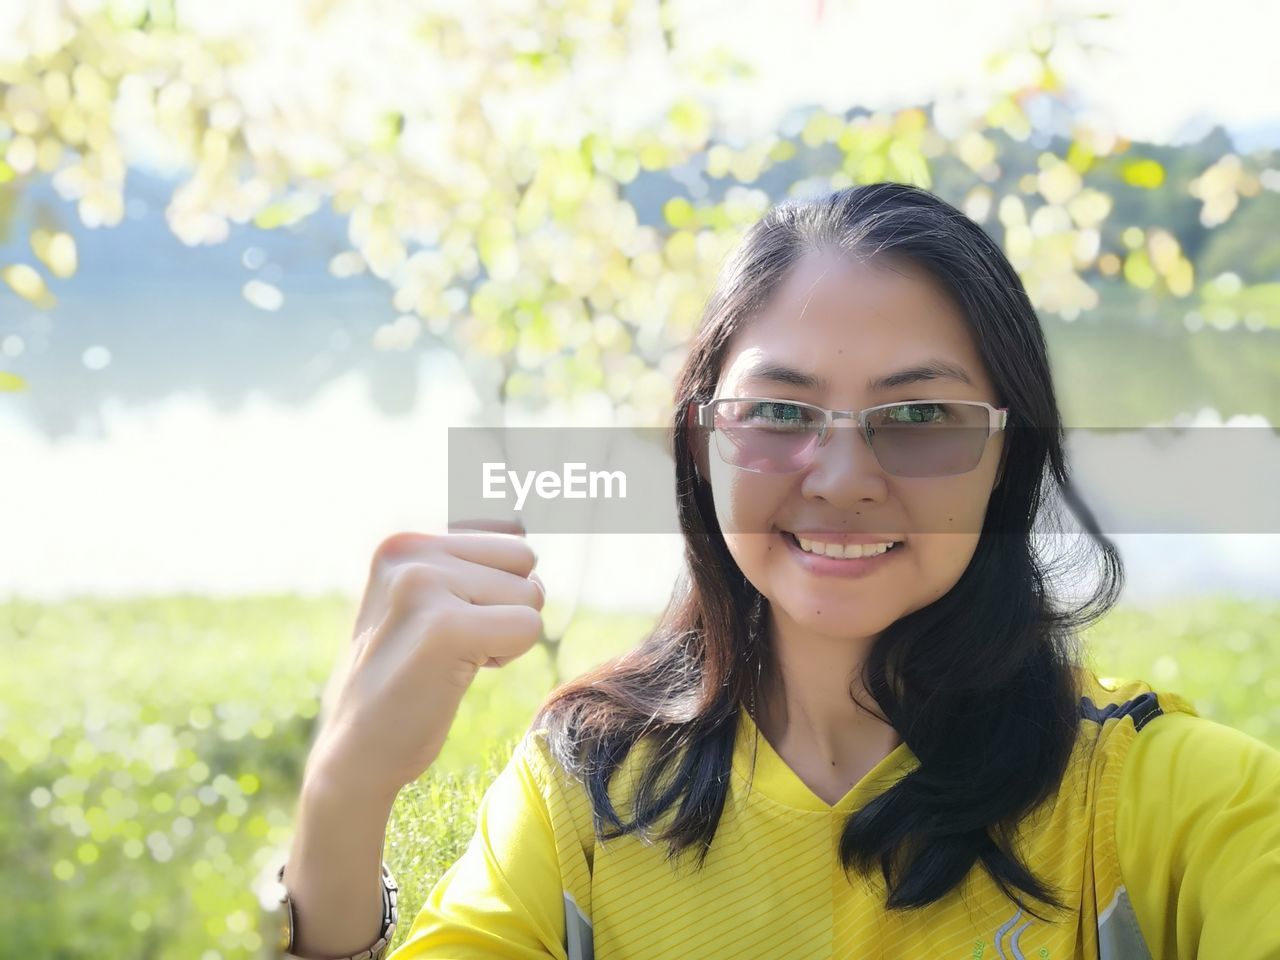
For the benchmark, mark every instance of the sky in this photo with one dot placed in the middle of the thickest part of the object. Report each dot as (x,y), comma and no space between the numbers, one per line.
(1160,70)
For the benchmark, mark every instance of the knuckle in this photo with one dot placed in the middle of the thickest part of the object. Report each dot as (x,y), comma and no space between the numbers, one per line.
(396,546)
(410,581)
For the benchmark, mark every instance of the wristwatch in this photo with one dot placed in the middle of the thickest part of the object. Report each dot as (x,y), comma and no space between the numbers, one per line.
(284,921)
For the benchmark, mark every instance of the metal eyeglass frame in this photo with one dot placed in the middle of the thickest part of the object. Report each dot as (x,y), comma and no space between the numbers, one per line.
(705,417)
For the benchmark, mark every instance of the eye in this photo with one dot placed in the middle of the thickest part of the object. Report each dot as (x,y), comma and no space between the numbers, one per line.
(918,412)
(778,413)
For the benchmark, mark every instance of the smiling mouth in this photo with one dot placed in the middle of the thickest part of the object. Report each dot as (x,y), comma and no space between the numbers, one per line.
(850,551)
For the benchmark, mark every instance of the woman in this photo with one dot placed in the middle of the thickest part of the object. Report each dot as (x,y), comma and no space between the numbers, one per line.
(818,753)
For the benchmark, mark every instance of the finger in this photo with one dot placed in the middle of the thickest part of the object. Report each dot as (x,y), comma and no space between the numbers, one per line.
(499,543)
(487,586)
(499,632)
(503,551)
(503,548)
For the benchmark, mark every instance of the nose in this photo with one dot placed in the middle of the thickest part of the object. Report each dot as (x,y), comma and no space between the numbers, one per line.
(844,467)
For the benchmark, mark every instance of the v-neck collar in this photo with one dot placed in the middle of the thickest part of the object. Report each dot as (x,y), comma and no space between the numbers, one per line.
(777,781)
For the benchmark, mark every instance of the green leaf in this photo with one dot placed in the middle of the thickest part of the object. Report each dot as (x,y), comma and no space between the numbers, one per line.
(11,383)
(1144,173)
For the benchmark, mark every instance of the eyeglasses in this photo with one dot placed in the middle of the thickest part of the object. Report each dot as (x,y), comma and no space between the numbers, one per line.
(915,438)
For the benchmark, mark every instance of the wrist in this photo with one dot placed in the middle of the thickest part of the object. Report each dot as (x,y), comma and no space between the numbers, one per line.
(279,927)
(332,863)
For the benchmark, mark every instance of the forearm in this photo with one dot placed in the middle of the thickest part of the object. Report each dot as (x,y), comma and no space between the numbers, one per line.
(333,873)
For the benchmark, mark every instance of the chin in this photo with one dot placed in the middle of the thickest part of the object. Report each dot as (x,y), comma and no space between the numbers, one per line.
(839,619)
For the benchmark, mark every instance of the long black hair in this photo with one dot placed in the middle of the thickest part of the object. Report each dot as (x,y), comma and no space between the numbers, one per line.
(981,684)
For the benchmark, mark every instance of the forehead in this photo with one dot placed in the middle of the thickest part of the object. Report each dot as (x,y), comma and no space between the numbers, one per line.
(849,321)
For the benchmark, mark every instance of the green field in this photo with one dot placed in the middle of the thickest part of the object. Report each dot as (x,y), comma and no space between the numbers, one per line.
(150,751)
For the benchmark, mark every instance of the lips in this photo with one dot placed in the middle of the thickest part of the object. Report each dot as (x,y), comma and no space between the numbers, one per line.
(822,565)
(795,542)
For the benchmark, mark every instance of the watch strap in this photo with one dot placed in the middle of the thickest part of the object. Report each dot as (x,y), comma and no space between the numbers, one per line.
(380,948)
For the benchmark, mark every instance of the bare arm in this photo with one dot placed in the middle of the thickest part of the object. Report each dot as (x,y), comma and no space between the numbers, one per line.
(436,609)
(333,873)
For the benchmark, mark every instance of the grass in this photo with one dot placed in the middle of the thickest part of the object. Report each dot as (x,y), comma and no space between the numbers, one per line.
(150,752)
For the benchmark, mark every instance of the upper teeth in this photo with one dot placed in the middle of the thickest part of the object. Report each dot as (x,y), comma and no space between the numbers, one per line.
(845,551)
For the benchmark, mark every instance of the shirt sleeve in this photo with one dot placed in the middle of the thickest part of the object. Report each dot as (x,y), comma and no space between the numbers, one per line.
(503,897)
(1198,839)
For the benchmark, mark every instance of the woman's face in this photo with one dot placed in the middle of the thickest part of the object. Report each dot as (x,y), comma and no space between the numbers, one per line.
(847,324)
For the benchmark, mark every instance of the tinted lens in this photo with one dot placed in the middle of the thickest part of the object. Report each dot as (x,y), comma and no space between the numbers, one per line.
(766,436)
(922,439)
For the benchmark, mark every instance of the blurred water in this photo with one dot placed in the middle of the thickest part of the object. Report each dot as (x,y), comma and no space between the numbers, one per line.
(179,495)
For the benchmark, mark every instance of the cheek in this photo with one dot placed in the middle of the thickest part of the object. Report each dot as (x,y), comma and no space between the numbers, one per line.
(939,559)
(944,527)
(752,551)
(952,508)
(746,503)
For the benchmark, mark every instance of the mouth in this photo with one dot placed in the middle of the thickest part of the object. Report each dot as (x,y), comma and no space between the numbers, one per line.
(828,547)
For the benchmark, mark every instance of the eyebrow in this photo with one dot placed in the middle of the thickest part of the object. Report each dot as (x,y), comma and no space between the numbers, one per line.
(921,372)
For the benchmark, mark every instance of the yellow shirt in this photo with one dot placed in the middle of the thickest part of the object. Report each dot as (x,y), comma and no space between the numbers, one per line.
(1164,837)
